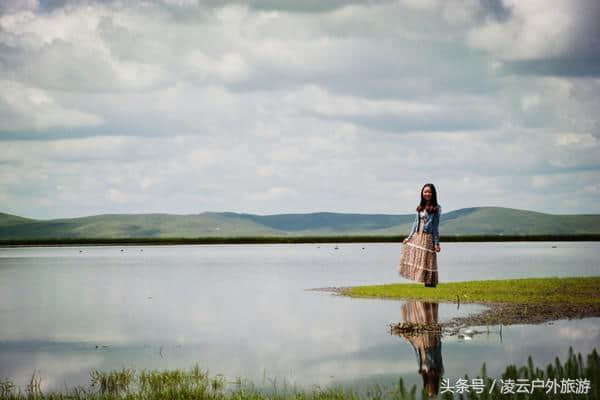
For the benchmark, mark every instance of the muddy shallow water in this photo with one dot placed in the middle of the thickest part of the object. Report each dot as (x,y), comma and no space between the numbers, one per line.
(242,310)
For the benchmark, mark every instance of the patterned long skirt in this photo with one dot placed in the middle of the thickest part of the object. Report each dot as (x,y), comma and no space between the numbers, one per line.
(427,345)
(418,261)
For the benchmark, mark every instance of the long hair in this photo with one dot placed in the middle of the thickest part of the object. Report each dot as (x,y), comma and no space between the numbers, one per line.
(433,206)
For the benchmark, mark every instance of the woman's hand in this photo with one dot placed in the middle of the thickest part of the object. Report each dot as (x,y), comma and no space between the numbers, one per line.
(437,248)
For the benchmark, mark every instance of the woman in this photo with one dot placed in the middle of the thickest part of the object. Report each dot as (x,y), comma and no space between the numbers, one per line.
(427,345)
(418,261)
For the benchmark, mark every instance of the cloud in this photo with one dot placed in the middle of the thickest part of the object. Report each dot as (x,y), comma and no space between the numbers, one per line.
(562,40)
(261,106)
(12,6)
(329,168)
(29,109)
(68,50)
(290,6)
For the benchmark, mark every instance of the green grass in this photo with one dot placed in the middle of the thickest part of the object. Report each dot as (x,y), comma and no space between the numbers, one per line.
(582,290)
(197,384)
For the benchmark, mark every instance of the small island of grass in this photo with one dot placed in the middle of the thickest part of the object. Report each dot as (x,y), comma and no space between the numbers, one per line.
(509,301)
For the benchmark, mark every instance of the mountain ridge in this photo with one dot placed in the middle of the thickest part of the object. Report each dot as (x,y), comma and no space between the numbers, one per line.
(489,220)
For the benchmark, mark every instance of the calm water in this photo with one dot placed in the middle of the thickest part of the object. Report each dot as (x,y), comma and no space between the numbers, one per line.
(242,310)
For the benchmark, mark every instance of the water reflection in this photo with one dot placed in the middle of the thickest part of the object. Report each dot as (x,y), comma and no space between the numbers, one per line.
(242,310)
(426,344)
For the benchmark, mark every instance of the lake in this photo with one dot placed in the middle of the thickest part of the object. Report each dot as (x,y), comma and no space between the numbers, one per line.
(243,311)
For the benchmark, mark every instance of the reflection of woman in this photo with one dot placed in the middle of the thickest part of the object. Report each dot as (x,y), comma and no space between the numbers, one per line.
(418,261)
(427,346)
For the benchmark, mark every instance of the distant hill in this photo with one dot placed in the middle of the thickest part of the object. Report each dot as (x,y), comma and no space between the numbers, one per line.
(465,221)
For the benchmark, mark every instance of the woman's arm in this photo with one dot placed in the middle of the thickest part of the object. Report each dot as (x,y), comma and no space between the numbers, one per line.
(414,227)
(436,226)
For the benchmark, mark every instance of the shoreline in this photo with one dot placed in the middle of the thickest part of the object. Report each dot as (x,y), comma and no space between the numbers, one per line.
(56,242)
(496,313)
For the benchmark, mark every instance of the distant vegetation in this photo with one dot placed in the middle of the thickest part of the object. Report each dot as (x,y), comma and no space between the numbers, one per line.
(288,239)
(479,223)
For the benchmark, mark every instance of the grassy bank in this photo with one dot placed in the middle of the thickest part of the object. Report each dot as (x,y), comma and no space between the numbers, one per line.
(522,291)
(289,239)
(510,301)
(197,384)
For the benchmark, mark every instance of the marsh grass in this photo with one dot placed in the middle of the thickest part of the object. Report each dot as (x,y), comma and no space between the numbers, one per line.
(580,290)
(573,368)
(114,382)
(153,384)
(197,384)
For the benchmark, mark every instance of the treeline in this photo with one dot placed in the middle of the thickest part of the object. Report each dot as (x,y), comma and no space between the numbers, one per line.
(291,239)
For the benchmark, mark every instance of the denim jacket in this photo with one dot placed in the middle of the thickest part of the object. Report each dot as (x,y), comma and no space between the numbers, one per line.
(432,223)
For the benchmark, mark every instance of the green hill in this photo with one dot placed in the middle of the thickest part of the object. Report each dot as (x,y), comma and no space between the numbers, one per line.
(509,221)
(466,221)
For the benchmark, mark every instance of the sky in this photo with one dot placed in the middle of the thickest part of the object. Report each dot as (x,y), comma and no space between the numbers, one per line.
(281,106)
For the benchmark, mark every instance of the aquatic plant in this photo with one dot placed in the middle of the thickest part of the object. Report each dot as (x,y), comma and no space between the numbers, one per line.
(195,383)
(567,375)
